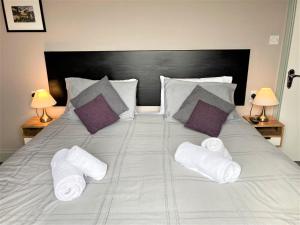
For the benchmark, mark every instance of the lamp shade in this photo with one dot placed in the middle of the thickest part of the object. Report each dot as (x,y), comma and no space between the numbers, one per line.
(42,99)
(265,97)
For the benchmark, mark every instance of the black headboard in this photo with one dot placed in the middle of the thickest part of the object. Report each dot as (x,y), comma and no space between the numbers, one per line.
(146,66)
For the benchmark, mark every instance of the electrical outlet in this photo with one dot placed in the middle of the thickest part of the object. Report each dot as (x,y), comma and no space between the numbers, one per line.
(252,95)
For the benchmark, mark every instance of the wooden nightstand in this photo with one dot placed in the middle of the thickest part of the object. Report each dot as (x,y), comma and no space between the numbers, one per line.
(271,130)
(32,127)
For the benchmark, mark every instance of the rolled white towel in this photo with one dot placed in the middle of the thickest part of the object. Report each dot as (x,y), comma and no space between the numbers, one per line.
(87,163)
(210,165)
(68,181)
(216,145)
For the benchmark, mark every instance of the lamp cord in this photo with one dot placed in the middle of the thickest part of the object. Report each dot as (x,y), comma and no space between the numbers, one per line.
(36,111)
(253,97)
(251,109)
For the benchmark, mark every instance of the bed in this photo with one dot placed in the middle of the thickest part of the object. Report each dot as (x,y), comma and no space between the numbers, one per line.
(144,184)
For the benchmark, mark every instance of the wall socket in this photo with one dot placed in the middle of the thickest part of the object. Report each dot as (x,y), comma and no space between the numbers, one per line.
(252,95)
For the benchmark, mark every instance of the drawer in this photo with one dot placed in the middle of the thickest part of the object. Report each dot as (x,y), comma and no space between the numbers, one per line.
(26,140)
(274,140)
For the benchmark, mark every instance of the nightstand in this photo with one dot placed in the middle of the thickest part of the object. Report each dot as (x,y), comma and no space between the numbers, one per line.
(32,127)
(271,130)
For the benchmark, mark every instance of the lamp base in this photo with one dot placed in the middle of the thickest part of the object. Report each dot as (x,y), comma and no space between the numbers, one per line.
(45,118)
(263,117)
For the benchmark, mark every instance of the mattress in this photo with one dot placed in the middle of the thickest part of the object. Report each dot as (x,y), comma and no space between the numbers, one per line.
(144,184)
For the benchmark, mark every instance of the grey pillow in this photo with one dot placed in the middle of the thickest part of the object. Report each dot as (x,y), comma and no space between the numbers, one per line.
(176,91)
(199,93)
(105,88)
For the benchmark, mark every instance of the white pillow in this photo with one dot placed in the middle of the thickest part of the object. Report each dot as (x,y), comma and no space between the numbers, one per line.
(125,88)
(223,79)
(127,91)
(176,91)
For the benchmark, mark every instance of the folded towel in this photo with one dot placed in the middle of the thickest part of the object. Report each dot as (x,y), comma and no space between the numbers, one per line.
(68,181)
(216,145)
(87,163)
(210,165)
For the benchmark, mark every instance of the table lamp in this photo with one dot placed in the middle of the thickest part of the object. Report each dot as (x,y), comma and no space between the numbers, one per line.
(265,97)
(41,100)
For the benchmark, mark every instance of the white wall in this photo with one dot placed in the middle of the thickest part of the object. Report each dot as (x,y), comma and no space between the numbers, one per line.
(290,108)
(135,25)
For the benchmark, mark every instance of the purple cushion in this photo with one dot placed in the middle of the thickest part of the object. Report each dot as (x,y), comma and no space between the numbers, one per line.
(96,114)
(206,119)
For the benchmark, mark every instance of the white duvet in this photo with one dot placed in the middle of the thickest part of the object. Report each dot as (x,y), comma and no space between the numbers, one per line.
(144,184)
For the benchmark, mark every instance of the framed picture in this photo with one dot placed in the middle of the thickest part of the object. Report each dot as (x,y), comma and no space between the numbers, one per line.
(23,15)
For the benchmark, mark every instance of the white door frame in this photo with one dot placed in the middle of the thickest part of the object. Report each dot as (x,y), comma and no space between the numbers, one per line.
(285,53)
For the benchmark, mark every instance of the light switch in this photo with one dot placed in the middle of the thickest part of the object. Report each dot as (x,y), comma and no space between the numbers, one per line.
(274,40)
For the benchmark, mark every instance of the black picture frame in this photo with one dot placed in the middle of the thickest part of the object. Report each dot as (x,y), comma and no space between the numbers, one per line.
(42,20)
